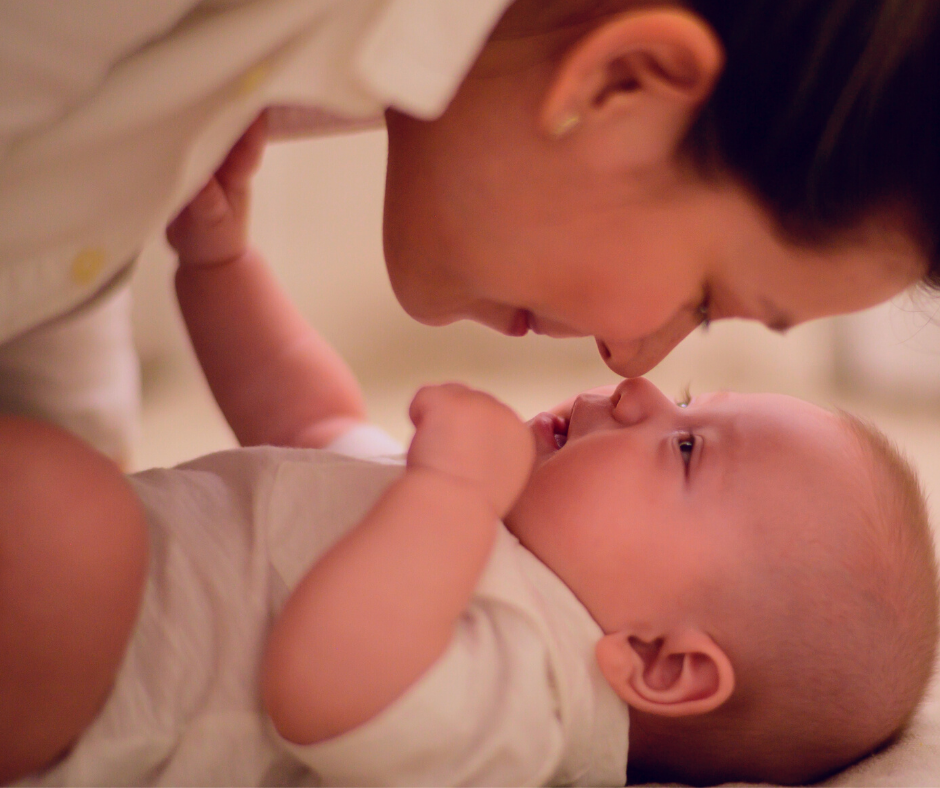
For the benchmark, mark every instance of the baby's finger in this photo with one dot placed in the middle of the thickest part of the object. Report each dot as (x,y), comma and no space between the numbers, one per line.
(424,400)
(207,210)
(245,156)
(210,206)
(434,397)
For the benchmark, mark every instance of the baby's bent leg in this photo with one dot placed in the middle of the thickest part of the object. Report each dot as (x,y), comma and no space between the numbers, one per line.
(73,557)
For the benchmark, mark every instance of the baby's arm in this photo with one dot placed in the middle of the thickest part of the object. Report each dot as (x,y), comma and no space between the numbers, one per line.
(380,607)
(276,380)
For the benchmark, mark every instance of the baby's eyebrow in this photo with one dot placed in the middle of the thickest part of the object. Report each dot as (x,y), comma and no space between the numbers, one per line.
(723,446)
(719,394)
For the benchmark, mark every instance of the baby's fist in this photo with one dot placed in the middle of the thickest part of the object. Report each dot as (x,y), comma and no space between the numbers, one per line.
(472,437)
(213,228)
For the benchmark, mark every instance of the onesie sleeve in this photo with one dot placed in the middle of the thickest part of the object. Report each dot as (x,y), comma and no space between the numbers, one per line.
(486,713)
(366,441)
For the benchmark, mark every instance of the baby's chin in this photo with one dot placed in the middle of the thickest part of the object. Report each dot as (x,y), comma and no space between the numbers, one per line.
(518,516)
(513,521)
(529,520)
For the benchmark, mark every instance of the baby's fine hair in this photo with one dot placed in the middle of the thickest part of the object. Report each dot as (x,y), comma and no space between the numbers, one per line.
(828,109)
(837,642)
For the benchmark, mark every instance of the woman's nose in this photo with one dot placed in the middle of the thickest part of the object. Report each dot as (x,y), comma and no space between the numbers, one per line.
(638,356)
(636,399)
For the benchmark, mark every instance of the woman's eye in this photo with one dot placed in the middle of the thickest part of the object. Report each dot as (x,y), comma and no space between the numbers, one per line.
(686,446)
(705,312)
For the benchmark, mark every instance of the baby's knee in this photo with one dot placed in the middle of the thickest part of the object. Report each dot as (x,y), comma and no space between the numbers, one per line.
(73,557)
(65,505)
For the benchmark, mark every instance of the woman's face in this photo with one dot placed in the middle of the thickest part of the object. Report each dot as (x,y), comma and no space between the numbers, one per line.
(489,219)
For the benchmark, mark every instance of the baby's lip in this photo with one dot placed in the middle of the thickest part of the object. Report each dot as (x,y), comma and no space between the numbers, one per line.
(550,432)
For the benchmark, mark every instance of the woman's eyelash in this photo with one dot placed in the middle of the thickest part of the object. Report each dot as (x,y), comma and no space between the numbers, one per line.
(685,398)
(704,311)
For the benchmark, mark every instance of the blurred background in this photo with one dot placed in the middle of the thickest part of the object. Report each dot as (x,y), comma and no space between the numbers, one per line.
(317,216)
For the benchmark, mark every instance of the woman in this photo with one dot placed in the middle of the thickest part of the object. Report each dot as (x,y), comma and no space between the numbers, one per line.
(617,168)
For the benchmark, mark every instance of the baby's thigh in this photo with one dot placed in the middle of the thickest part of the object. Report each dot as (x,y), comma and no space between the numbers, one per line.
(73,555)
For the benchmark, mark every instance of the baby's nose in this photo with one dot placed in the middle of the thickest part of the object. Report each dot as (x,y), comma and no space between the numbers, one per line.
(635,400)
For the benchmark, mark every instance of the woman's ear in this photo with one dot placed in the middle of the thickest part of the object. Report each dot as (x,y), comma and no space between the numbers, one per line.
(627,92)
(672,676)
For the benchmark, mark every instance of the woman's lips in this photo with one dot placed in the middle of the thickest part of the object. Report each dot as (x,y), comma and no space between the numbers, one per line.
(552,328)
(523,321)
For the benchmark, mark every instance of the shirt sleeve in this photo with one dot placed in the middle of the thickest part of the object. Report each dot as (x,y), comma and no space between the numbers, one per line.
(80,372)
(486,713)
(419,51)
(53,54)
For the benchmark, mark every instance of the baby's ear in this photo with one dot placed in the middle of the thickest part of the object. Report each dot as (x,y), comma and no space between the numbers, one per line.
(626,93)
(675,675)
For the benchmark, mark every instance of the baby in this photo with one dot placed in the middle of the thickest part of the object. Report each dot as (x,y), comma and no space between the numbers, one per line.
(742,589)
(739,588)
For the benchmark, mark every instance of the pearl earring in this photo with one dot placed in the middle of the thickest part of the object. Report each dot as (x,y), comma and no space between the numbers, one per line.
(565,124)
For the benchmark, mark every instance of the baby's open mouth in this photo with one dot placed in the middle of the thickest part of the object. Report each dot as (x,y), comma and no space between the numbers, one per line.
(561,432)
(551,433)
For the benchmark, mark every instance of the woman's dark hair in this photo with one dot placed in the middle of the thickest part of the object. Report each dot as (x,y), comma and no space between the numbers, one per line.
(829,109)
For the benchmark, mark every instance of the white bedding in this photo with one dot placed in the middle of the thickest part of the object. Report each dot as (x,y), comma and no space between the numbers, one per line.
(912,761)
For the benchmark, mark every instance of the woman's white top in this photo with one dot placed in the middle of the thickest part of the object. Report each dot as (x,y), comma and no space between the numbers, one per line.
(113,113)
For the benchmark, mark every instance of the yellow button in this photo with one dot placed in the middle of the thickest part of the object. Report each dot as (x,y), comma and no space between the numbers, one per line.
(253,78)
(87,264)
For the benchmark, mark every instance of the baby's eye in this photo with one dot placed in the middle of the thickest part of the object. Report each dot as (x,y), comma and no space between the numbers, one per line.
(686,447)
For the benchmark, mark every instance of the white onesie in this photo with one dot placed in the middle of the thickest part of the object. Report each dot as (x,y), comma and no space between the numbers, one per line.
(517,699)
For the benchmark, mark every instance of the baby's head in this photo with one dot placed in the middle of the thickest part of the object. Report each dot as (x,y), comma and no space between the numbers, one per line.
(763,571)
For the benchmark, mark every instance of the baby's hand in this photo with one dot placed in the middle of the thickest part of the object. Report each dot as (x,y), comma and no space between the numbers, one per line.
(213,228)
(472,437)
